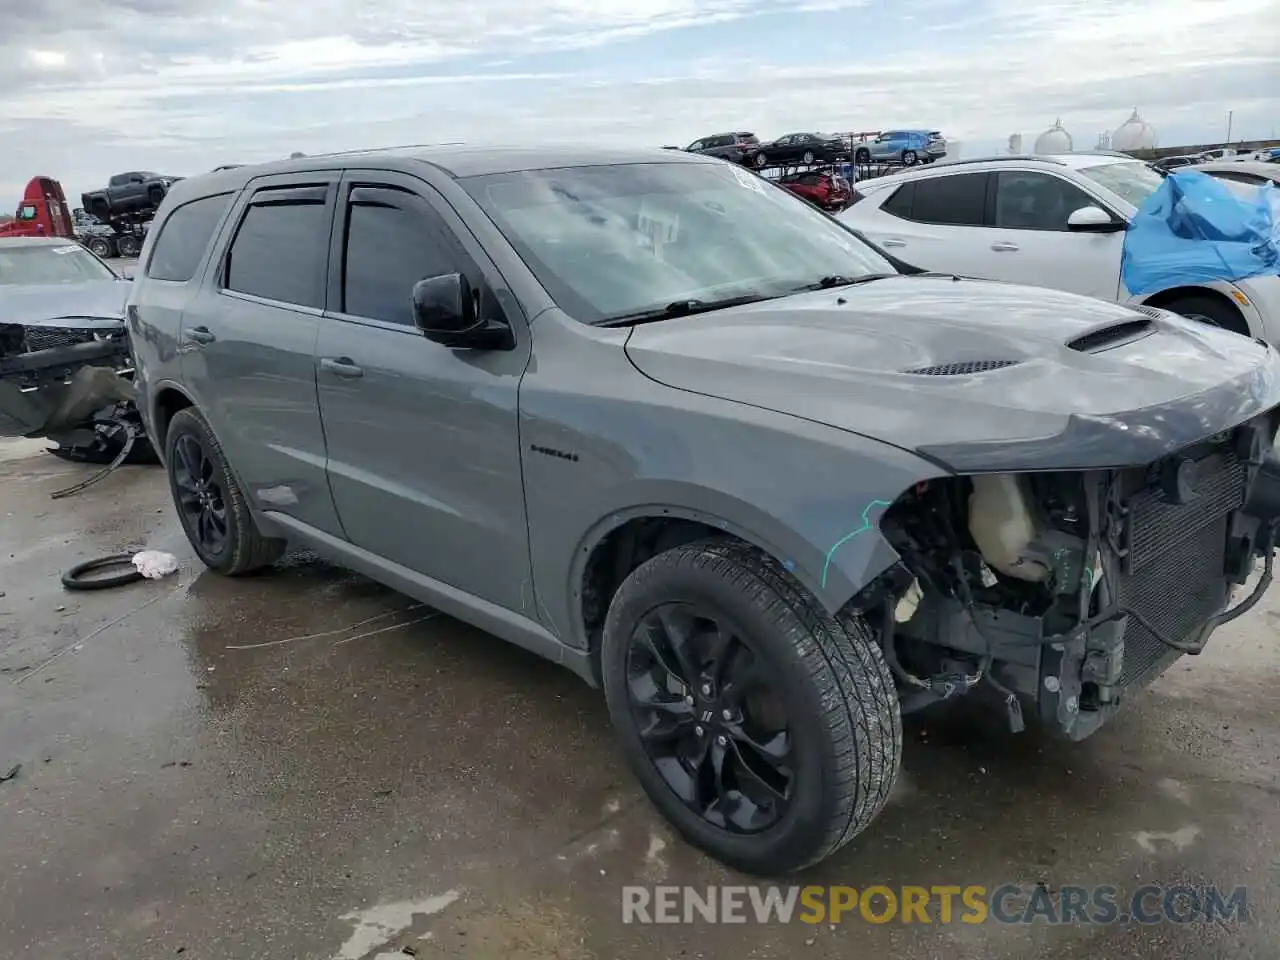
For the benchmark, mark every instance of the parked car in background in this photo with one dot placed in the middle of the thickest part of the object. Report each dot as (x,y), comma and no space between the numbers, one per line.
(800,148)
(1056,221)
(907,147)
(737,147)
(1173,163)
(65,370)
(823,188)
(1252,172)
(665,424)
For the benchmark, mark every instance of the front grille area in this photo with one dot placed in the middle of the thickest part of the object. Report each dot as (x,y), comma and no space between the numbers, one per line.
(1173,574)
(45,338)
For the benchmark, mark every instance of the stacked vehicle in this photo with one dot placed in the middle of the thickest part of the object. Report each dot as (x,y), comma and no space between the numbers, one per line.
(126,207)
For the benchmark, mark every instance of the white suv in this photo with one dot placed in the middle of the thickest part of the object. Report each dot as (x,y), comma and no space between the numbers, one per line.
(1053,221)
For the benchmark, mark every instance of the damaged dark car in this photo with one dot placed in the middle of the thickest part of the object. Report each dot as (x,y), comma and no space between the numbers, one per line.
(65,368)
(667,424)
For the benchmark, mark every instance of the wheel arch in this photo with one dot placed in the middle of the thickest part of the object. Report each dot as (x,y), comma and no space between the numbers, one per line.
(830,565)
(1250,321)
(167,400)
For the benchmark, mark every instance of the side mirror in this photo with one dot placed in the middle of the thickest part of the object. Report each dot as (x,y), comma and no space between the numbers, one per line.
(1093,219)
(447,311)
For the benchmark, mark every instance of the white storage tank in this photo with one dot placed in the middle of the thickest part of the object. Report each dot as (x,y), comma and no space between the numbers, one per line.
(1134,134)
(1054,140)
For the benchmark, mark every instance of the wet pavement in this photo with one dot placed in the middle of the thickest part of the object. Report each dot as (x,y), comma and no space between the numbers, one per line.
(299,765)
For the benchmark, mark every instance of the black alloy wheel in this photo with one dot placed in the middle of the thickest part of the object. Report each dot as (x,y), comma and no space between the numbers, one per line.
(201,500)
(710,723)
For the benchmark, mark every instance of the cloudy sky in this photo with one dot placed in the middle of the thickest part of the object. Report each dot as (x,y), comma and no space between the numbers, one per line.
(92,87)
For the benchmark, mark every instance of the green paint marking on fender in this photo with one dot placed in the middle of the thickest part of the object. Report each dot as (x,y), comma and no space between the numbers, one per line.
(866,525)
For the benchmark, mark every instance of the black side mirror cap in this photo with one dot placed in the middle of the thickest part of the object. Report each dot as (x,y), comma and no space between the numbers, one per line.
(447,311)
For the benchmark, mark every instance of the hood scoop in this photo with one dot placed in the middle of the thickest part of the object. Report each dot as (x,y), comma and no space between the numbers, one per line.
(1112,335)
(962,368)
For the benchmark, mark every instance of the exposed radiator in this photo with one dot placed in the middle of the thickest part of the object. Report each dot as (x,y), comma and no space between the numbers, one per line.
(1173,574)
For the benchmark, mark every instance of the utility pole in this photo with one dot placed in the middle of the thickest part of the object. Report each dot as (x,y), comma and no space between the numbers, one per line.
(1229,113)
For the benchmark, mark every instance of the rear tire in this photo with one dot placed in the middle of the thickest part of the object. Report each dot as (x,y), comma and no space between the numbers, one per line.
(909,158)
(129,246)
(1210,310)
(808,156)
(825,675)
(862,156)
(240,547)
(99,247)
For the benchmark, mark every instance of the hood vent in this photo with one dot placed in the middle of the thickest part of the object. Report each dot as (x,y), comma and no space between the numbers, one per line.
(1115,335)
(961,369)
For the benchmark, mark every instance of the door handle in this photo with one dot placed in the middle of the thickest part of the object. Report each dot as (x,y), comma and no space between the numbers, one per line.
(893,243)
(1004,246)
(201,335)
(341,367)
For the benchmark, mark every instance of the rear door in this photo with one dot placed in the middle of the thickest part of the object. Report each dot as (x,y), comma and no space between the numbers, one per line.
(935,223)
(423,443)
(1029,241)
(248,343)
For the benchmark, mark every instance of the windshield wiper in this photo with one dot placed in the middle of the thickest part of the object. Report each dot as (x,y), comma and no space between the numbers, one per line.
(835,280)
(680,308)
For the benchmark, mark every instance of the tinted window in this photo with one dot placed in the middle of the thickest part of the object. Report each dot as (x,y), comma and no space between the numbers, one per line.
(1251,178)
(184,238)
(389,249)
(900,203)
(1036,201)
(958,200)
(279,253)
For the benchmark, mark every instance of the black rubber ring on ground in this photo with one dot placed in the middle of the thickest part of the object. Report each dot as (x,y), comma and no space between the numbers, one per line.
(71,579)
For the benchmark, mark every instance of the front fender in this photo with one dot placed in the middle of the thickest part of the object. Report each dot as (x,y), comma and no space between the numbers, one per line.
(617,445)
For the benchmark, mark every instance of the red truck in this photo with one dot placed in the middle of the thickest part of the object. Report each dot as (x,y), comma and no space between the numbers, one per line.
(41,213)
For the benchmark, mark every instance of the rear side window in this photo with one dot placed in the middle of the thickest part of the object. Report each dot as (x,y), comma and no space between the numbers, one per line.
(184,238)
(389,249)
(279,252)
(958,200)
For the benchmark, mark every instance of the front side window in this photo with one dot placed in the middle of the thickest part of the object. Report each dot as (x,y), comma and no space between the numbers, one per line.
(1131,179)
(184,238)
(40,264)
(1036,201)
(279,251)
(389,249)
(609,241)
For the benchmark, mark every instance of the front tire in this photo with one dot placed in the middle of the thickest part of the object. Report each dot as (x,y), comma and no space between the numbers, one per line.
(862,156)
(808,157)
(764,729)
(99,247)
(761,160)
(211,506)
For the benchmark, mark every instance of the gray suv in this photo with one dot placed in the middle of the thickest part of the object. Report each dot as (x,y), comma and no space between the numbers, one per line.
(665,423)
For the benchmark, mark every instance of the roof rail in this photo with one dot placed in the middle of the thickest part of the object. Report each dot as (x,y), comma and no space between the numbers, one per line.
(398,146)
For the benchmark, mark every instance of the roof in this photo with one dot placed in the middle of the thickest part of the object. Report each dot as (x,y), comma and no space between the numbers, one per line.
(36,241)
(455,160)
(1072,161)
(1257,167)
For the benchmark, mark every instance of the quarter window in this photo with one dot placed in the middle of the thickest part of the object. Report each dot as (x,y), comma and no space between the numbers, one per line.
(389,249)
(279,251)
(957,200)
(185,236)
(1036,201)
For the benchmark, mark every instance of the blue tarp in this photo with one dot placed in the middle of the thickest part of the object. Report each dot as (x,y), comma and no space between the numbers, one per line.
(1196,228)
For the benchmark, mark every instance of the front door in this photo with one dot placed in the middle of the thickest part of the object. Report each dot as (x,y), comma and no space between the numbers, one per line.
(1029,241)
(423,442)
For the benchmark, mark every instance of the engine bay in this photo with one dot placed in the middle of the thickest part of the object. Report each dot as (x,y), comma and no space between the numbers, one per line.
(1068,589)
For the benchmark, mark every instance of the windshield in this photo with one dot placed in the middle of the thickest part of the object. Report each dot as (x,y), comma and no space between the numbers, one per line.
(611,241)
(50,264)
(1131,179)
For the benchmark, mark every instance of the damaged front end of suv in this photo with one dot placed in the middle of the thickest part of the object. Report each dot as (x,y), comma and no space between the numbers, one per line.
(1072,589)
(69,379)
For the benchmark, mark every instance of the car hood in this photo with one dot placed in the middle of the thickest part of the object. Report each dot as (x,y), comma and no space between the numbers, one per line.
(97,303)
(1081,383)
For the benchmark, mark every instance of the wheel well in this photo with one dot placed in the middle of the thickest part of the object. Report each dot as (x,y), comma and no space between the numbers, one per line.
(620,552)
(1166,297)
(168,403)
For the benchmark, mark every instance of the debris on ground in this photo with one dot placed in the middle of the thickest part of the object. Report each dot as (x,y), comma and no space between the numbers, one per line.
(10,773)
(155,564)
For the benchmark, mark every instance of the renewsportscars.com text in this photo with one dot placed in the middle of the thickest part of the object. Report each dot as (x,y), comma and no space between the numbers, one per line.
(973,904)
